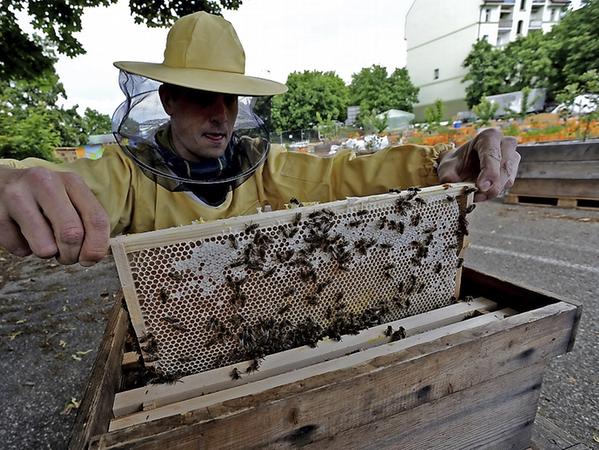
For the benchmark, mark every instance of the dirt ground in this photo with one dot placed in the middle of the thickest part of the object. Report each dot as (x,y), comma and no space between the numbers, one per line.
(52,319)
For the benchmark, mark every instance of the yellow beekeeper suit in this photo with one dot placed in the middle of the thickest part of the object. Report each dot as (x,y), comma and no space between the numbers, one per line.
(135,203)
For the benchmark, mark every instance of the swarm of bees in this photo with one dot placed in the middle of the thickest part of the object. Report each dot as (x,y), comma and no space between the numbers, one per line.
(341,242)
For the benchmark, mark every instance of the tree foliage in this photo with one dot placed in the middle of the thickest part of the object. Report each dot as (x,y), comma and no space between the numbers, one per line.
(32,125)
(310,92)
(58,21)
(373,89)
(552,60)
(487,72)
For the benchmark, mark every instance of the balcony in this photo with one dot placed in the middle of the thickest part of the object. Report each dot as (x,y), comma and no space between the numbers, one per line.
(535,25)
(506,24)
(500,2)
(538,2)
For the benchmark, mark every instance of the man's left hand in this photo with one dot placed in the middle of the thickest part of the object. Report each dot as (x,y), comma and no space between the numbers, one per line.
(490,159)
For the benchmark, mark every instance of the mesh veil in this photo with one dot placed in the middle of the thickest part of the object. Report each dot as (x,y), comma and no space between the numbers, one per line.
(138,120)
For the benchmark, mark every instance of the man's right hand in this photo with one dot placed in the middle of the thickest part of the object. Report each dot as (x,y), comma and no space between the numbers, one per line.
(49,214)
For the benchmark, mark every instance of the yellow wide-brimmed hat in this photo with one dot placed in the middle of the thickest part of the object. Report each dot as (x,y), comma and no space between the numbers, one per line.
(203,52)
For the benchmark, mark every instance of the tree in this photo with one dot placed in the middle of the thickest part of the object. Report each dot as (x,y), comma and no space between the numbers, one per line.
(58,21)
(487,72)
(373,89)
(95,122)
(310,92)
(530,63)
(575,46)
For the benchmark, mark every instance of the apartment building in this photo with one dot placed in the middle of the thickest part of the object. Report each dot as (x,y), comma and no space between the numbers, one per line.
(440,34)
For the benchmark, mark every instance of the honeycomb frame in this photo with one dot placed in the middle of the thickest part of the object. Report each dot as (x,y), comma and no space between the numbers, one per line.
(190,290)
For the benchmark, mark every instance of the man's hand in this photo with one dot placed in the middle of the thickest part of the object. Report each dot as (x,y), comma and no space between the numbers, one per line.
(50,214)
(490,159)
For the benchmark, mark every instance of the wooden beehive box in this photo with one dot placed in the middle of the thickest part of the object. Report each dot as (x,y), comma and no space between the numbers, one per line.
(473,383)
(444,374)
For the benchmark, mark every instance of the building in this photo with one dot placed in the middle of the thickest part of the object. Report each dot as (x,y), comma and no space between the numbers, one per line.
(440,34)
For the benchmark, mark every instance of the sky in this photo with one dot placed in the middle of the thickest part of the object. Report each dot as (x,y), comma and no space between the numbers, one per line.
(279,37)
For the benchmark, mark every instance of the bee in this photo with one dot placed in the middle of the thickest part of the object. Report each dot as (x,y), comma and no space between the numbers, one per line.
(296,219)
(362,212)
(339,296)
(389,331)
(460,262)
(283,309)
(294,201)
(179,327)
(312,300)
(236,320)
(170,378)
(251,227)
(151,358)
(254,365)
(446,186)
(415,220)
(169,319)
(438,267)
(354,223)
(235,374)
(449,198)
(385,245)
(174,275)
(270,272)
(382,222)
(420,201)
(421,288)
(470,208)
(144,337)
(395,190)
(462,226)
(413,189)
(398,334)
(322,286)
(233,241)
(185,359)
(308,274)
(164,295)
(289,291)
(469,190)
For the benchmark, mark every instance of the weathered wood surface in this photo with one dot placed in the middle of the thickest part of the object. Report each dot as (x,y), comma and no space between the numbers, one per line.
(95,411)
(342,400)
(560,151)
(562,170)
(477,412)
(128,402)
(584,189)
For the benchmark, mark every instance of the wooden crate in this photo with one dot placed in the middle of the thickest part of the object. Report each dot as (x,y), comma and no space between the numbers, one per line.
(558,174)
(466,384)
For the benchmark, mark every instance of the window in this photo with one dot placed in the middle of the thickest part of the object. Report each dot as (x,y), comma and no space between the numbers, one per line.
(519,29)
(487,15)
(522,5)
(436,74)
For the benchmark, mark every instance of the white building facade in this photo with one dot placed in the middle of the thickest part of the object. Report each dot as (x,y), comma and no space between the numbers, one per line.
(440,34)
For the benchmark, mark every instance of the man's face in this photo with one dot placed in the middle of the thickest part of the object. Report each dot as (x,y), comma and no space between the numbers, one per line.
(201,122)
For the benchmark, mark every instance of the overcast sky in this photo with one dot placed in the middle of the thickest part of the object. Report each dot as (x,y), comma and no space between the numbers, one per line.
(279,37)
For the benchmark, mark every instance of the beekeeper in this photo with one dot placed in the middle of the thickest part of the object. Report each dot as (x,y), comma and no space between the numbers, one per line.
(191,148)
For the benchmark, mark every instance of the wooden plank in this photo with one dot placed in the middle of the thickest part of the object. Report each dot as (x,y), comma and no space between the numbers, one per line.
(382,387)
(130,360)
(560,151)
(95,411)
(521,296)
(494,415)
(168,236)
(563,170)
(584,189)
(546,435)
(128,402)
